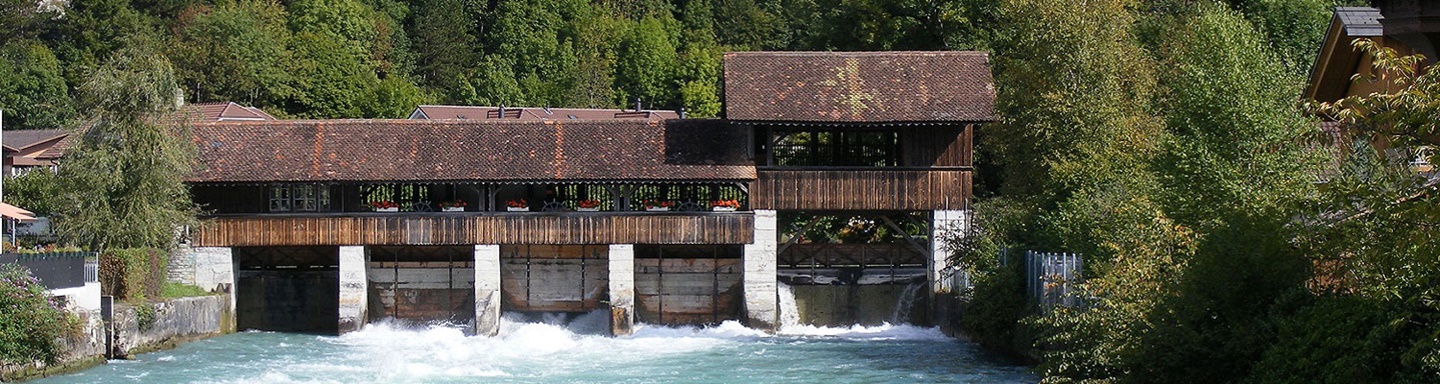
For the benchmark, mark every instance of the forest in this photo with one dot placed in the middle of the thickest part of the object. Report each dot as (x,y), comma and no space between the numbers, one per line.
(1165,140)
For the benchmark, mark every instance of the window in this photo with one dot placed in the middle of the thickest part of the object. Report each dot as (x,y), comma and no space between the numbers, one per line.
(299,198)
(835,148)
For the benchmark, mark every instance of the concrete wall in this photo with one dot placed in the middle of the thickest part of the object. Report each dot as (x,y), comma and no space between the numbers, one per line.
(487,290)
(622,288)
(175,321)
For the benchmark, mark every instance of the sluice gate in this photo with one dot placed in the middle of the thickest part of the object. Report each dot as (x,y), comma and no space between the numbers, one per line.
(553,278)
(287,289)
(688,285)
(422,283)
(846,284)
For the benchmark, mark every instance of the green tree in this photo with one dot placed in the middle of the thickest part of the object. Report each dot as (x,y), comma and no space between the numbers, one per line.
(449,52)
(122,185)
(237,50)
(646,67)
(32,88)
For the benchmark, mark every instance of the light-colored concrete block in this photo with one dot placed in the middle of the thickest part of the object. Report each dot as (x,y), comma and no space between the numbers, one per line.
(354,288)
(622,289)
(761,303)
(487,290)
(945,224)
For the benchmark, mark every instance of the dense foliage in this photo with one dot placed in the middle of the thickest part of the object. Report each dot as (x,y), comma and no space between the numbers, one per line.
(1165,141)
(380,58)
(32,327)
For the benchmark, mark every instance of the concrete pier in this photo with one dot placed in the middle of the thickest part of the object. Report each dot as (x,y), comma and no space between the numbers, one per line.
(943,225)
(353,289)
(622,289)
(761,307)
(487,290)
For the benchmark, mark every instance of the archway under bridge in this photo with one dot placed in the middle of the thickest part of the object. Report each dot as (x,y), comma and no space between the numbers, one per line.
(847,268)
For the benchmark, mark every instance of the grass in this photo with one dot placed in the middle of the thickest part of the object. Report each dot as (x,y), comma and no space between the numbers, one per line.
(172,290)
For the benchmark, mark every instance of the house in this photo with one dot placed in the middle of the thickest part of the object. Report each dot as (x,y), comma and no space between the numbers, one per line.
(1340,71)
(656,219)
(26,150)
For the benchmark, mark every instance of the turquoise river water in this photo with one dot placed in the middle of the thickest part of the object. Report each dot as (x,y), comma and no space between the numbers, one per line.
(577,352)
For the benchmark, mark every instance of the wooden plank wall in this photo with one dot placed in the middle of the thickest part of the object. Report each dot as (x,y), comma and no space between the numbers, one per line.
(469,228)
(687,291)
(861,190)
(942,146)
(554,278)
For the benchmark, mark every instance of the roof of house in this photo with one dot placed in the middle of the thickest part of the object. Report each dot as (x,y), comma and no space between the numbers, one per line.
(470,150)
(468,112)
(1337,60)
(227,111)
(865,87)
(19,140)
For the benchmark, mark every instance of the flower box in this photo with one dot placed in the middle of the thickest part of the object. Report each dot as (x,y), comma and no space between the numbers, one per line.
(657,209)
(391,209)
(583,209)
(518,209)
(723,209)
(452,209)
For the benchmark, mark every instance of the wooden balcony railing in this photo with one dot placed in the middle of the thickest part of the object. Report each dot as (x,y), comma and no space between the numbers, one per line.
(476,228)
(861,189)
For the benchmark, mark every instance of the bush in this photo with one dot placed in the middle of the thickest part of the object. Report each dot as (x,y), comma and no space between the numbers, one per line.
(132,274)
(32,326)
(172,290)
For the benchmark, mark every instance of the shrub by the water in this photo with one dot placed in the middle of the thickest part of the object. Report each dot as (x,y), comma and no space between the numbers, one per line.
(133,274)
(32,326)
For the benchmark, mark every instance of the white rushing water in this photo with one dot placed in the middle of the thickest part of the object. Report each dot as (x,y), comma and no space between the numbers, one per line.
(551,350)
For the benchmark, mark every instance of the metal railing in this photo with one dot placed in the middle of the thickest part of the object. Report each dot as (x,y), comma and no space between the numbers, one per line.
(57,270)
(1051,278)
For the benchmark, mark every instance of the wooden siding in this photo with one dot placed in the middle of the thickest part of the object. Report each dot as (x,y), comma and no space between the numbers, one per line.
(465,229)
(873,189)
(687,291)
(943,146)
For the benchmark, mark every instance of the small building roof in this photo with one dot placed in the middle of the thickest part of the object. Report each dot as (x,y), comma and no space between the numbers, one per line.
(470,150)
(864,87)
(19,140)
(226,111)
(1337,61)
(470,112)
(1360,21)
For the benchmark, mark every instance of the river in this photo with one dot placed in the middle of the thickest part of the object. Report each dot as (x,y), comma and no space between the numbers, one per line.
(577,352)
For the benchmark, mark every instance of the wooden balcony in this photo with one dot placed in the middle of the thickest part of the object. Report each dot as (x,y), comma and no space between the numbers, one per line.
(476,228)
(861,189)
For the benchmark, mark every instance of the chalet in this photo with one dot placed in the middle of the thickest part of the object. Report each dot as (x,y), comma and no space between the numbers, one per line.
(1408,27)
(458,213)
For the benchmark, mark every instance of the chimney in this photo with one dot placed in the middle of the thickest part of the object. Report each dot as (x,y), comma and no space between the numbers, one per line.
(637,105)
(179,97)
(682,112)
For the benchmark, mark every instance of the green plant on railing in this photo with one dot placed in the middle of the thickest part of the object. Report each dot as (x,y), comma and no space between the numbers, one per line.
(32,326)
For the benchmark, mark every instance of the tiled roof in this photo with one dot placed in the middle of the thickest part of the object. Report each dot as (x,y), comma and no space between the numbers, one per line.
(1360,21)
(465,112)
(225,111)
(460,150)
(870,87)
